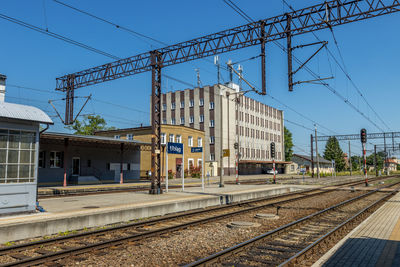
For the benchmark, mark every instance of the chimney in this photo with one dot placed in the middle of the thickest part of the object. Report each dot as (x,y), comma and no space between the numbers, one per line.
(2,87)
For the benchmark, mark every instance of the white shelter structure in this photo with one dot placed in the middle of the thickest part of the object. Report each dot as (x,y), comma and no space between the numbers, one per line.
(19,148)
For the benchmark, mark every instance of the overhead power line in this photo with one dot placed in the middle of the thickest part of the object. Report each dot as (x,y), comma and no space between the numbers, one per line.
(111,23)
(57,36)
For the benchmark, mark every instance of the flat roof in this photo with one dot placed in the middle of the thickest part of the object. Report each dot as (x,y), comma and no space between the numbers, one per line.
(91,138)
(148,128)
(23,112)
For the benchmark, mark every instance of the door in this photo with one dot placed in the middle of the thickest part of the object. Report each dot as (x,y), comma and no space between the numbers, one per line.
(76,166)
(178,165)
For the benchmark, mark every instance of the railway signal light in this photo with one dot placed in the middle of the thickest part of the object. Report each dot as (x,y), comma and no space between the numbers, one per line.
(363,135)
(272,150)
(236,145)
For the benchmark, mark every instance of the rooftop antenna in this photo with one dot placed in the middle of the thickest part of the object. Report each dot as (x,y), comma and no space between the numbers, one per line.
(198,78)
(216,62)
(240,70)
(230,71)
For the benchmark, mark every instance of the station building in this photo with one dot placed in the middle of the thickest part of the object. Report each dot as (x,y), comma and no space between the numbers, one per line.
(325,166)
(189,137)
(81,159)
(246,121)
(19,149)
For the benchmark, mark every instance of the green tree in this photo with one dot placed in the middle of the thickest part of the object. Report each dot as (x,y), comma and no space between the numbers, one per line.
(288,142)
(89,125)
(334,152)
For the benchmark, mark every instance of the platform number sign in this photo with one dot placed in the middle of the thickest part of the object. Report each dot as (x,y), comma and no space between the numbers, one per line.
(363,136)
(272,150)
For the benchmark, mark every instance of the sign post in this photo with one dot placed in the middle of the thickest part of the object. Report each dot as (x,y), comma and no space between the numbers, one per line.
(200,150)
(175,148)
(166,171)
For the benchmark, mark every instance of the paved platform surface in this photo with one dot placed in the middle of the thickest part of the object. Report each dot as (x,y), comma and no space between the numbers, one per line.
(77,212)
(189,182)
(375,242)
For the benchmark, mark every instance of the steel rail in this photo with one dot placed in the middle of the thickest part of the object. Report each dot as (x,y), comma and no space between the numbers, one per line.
(241,246)
(296,258)
(134,237)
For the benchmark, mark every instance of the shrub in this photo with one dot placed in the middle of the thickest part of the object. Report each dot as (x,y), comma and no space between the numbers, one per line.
(171,174)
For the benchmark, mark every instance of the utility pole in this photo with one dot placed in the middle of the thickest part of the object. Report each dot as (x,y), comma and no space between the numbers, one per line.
(198,77)
(375,162)
(312,156)
(350,164)
(316,151)
(221,159)
(237,145)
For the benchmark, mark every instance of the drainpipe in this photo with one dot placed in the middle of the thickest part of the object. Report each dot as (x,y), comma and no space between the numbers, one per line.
(38,207)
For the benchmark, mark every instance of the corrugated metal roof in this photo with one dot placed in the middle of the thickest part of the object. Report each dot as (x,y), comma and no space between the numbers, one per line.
(23,112)
(308,158)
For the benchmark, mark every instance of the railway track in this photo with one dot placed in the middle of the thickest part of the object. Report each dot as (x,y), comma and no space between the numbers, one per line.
(293,243)
(46,250)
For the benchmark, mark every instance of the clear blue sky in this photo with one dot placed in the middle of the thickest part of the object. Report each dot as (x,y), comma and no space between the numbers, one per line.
(30,59)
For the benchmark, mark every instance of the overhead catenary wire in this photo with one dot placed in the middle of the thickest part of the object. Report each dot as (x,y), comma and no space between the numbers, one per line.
(250,20)
(343,68)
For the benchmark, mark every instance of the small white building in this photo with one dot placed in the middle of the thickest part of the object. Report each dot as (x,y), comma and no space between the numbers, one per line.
(19,148)
(325,166)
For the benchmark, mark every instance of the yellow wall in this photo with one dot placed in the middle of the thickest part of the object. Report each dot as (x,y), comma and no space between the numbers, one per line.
(144,134)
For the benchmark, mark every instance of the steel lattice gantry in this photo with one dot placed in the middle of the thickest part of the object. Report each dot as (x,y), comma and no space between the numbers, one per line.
(348,137)
(313,18)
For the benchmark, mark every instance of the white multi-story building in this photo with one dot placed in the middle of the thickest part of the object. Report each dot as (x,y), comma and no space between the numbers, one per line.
(253,125)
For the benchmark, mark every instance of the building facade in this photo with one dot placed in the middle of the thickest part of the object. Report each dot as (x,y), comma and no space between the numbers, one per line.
(79,159)
(243,120)
(19,148)
(189,137)
(303,161)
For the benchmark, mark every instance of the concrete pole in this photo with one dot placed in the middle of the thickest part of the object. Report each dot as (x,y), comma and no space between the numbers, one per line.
(183,168)
(316,151)
(202,168)
(65,161)
(375,163)
(229,134)
(312,156)
(166,170)
(350,164)
(221,158)
(365,165)
(237,140)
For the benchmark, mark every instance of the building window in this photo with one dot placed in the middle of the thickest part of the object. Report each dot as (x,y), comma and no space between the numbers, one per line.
(211,105)
(164,121)
(42,160)
(191,119)
(182,120)
(164,106)
(212,139)
(55,159)
(182,104)
(191,103)
(89,163)
(199,142)
(129,136)
(212,157)
(172,105)
(201,102)
(173,122)
(179,138)
(211,123)
(163,139)
(201,118)
(191,164)
(117,136)
(171,138)
(190,141)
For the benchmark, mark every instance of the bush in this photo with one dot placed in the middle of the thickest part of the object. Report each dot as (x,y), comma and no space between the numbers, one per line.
(195,172)
(171,174)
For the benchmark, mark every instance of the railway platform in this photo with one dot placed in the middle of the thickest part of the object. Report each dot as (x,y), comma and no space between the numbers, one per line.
(85,211)
(375,242)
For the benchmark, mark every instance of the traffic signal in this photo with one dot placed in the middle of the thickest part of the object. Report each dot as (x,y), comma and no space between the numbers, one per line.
(272,150)
(363,135)
(236,145)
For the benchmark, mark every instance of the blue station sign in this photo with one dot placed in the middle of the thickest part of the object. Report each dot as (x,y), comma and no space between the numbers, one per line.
(175,148)
(197,149)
